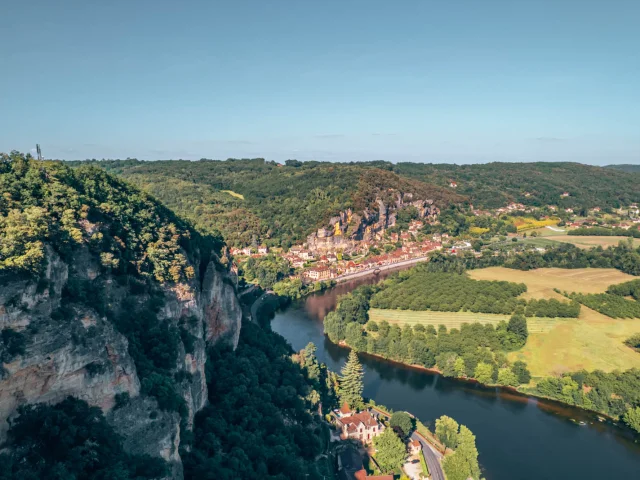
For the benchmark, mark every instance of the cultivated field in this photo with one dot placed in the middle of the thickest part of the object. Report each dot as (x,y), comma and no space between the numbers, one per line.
(589,242)
(453,320)
(541,282)
(592,341)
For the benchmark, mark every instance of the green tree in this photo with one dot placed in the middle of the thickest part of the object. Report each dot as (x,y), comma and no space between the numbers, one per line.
(632,418)
(459,367)
(311,362)
(390,451)
(447,431)
(507,377)
(518,326)
(522,372)
(401,421)
(71,440)
(351,384)
(463,464)
(484,373)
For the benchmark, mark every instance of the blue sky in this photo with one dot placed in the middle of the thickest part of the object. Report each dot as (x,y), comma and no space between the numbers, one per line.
(430,80)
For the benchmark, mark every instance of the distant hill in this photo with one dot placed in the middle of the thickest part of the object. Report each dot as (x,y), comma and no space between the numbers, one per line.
(493,185)
(253,200)
(625,167)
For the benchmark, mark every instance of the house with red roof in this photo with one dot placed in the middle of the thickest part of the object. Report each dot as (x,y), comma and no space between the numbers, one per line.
(363,426)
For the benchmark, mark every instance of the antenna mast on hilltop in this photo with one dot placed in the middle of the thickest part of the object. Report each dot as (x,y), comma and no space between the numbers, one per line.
(38,151)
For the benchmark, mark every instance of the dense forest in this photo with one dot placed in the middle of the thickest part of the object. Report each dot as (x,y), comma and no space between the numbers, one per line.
(493,185)
(473,351)
(258,422)
(624,257)
(252,201)
(422,289)
(70,440)
(613,306)
(48,202)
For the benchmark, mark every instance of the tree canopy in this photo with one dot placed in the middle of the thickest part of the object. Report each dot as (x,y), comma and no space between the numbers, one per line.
(70,440)
(390,450)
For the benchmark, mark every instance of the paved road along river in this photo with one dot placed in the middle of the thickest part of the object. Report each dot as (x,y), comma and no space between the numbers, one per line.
(518,437)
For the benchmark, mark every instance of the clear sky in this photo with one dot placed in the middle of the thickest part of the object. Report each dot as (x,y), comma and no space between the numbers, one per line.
(427,80)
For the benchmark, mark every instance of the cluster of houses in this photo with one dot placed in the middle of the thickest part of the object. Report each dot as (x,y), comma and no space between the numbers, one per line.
(329,267)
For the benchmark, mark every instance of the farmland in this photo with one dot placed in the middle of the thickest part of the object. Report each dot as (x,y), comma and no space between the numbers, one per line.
(529,223)
(592,341)
(454,320)
(589,242)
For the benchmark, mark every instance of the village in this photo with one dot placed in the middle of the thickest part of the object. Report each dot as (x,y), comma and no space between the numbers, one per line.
(328,255)
(312,265)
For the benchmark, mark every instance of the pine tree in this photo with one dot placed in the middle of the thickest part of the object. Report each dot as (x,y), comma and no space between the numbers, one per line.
(351,385)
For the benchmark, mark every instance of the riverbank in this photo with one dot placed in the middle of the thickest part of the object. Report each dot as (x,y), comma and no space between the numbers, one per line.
(380,268)
(523,393)
(516,435)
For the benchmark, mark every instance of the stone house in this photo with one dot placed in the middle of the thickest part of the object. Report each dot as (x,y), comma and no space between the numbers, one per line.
(363,426)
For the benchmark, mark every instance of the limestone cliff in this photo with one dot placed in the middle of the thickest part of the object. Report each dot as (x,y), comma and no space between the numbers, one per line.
(74,348)
(348,228)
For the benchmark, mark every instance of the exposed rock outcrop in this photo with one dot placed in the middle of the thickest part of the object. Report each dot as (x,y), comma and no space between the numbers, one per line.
(348,228)
(78,351)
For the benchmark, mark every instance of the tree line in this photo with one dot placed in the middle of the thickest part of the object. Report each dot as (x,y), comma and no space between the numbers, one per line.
(616,394)
(473,351)
(613,306)
(422,289)
(606,232)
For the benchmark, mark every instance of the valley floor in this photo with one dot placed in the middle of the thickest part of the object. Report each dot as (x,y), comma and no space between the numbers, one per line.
(591,342)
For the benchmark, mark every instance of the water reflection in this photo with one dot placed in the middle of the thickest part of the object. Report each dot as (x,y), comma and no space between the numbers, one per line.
(518,437)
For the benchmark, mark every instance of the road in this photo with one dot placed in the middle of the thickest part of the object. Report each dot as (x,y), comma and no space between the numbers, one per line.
(431,456)
(382,268)
(255,305)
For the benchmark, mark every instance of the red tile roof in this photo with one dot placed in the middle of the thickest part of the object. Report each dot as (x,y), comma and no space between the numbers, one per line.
(353,421)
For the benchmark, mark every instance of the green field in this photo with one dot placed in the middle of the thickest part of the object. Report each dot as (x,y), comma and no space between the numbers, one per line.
(592,341)
(455,319)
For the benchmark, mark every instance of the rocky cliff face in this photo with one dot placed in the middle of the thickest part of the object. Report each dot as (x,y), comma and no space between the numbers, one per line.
(77,351)
(348,228)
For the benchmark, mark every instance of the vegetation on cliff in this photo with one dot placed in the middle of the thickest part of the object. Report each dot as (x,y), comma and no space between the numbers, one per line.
(49,203)
(70,440)
(258,422)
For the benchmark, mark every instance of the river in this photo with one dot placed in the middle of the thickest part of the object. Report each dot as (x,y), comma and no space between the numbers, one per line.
(517,437)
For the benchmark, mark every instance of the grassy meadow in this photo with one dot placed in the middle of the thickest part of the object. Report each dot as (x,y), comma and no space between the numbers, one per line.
(591,241)
(592,341)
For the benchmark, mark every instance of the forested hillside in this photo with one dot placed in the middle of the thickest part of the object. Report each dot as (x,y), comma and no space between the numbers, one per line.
(127,326)
(493,185)
(625,167)
(252,201)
